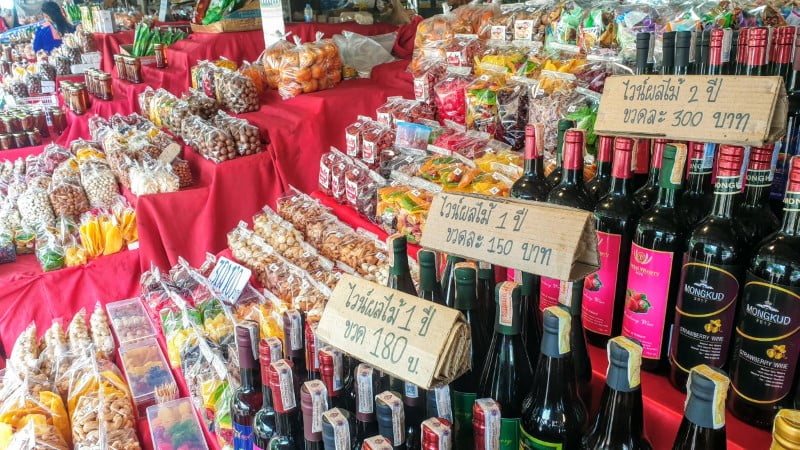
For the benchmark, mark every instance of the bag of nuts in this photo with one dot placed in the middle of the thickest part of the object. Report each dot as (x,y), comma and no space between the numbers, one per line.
(180,167)
(99,183)
(101,333)
(34,204)
(245,134)
(200,104)
(68,198)
(236,92)
(213,143)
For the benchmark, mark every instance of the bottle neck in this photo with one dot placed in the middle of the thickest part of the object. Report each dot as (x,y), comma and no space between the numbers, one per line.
(534,167)
(267,392)
(427,278)
(791,214)
(757,188)
(666,197)
(285,423)
(465,296)
(699,412)
(725,191)
(400,263)
(571,176)
(699,181)
(250,379)
(603,170)
(621,412)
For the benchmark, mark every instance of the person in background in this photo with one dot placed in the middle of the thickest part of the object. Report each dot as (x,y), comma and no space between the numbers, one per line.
(48,35)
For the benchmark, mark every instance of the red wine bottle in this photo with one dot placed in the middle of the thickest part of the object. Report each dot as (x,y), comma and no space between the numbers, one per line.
(641,163)
(366,385)
(465,386)
(288,426)
(754,214)
(532,185)
(312,349)
(782,42)
(787,147)
(695,203)
(429,287)
(742,51)
(313,402)
(264,427)
(247,399)
(703,424)
(668,53)
(338,430)
(294,350)
(486,424)
(554,178)
(439,403)
(437,434)
(733,53)
(655,265)
(715,64)
(620,421)
(598,186)
(486,305)
(646,195)
(531,323)
(554,416)
(332,370)
(757,64)
(615,218)
(713,266)
(507,364)
(764,371)
(449,280)
(572,299)
(377,443)
(702,56)
(415,408)
(400,274)
(391,418)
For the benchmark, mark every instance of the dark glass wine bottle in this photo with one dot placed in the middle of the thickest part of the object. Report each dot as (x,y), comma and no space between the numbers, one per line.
(532,185)
(619,423)
(449,280)
(313,402)
(713,266)
(764,372)
(377,443)
(391,418)
(615,218)
(668,53)
(598,186)
(338,430)
(695,202)
(365,387)
(742,53)
(264,428)
(754,214)
(782,42)
(683,42)
(646,195)
(733,53)
(531,317)
(703,424)
(642,53)
(437,434)
(757,65)
(486,424)
(400,274)
(788,146)
(247,399)
(415,408)
(288,425)
(554,177)
(294,350)
(641,162)
(573,300)
(655,263)
(486,304)
(507,364)
(439,403)
(465,387)
(554,416)
(715,64)
(312,350)
(786,430)
(332,370)
(702,58)
(429,287)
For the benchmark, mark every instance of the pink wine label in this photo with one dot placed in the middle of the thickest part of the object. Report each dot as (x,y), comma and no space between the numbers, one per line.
(646,298)
(600,288)
(548,292)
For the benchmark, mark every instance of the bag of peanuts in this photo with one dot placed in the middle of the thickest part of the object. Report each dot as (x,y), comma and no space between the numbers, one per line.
(309,67)
(235,92)
(255,71)
(152,176)
(34,204)
(67,197)
(99,183)
(245,135)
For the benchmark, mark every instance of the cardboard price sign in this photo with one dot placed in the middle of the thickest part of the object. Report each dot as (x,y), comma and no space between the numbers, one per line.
(539,238)
(733,110)
(402,335)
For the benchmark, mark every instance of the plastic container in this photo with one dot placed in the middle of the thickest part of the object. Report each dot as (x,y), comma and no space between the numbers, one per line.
(146,370)
(174,425)
(129,321)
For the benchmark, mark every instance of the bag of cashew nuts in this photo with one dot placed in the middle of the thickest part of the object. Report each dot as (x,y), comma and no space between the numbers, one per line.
(68,198)
(245,135)
(235,92)
(99,183)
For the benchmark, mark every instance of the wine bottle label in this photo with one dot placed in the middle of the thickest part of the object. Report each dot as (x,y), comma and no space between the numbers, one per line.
(443,407)
(767,342)
(315,346)
(242,436)
(275,349)
(564,328)
(759,178)
(319,403)
(528,442)
(286,381)
(442,432)
(549,290)
(296,333)
(646,298)
(491,423)
(506,304)
(721,383)
(728,185)
(705,314)
(600,288)
(462,414)
(341,429)
(364,386)
(565,293)
(634,359)
(411,390)
(398,416)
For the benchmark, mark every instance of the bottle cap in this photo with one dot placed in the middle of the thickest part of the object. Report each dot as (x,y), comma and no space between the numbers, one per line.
(658,152)
(668,38)
(557,322)
(427,270)
(528,285)
(757,46)
(786,429)
(730,161)
(573,149)
(391,417)
(399,243)
(761,157)
(466,274)
(338,429)
(331,366)
(697,150)
(269,351)
(486,423)
(282,384)
(794,175)
(715,47)
(293,333)
(534,141)
(624,364)
(436,434)
(312,344)
(672,164)
(683,39)
(365,386)
(605,146)
(508,318)
(706,390)
(247,334)
(427,259)
(313,402)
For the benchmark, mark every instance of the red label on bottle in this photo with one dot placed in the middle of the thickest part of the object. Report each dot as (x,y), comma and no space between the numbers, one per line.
(600,288)
(548,292)
(646,298)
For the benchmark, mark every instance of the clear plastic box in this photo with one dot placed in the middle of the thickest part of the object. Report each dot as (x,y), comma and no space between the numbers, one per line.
(174,425)
(130,321)
(146,370)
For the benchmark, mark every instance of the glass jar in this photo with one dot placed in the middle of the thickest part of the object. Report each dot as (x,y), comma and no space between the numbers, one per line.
(6,142)
(58,119)
(13,124)
(119,62)
(84,93)
(89,80)
(27,120)
(77,101)
(41,123)
(34,137)
(105,90)
(161,55)
(3,128)
(7,53)
(20,140)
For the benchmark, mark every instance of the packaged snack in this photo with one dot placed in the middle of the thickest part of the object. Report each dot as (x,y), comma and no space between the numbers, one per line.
(8,253)
(129,320)
(146,371)
(375,137)
(101,333)
(235,92)
(338,178)
(481,98)
(68,198)
(49,251)
(461,52)
(244,134)
(78,333)
(99,184)
(512,110)
(352,135)
(309,68)
(213,143)
(200,104)
(174,425)
(427,73)
(34,204)
(25,352)
(272,60)
(255,71)
(449,95)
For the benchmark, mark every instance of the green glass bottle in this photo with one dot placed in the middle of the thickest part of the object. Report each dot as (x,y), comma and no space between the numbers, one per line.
(429,287)
(400,274)
(449,280)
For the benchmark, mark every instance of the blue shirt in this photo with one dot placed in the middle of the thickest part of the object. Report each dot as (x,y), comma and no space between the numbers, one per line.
(44,40)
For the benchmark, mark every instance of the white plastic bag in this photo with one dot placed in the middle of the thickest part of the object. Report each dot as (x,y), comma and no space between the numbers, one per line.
(361,52)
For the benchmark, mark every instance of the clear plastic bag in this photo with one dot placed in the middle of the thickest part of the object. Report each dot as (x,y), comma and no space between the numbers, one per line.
(153,177)
(8,252)
(450,98)
(99,184)
(34,204)
(361,52)
(49,251)
(512,111)
(428,71)
(255,71)
(200,104)
(236,92)
(245,135)
(213,143)
(68,198)
(309,67)
(181,169)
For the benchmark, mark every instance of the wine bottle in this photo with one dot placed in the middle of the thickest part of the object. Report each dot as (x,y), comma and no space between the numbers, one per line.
(782,62)
(646,195)
(641,163)
(683,41)
(439,403)
(288,428)
(787,147)
(264,427)
(742,53)
(486,424)
(532,185)
(436,434)
(733,55)
(331,363)
(615,218)
(702,58)
(695,203)
(247,399)
(756,65)
(400,274)
(713,265)
(642,52)
(449,280)
(655,263)
(507,364)
(486,305)
(531,325)
(366,384)
(572,299)
(620,421)
(554,416)
(598,186)
(786,430)
(313,402)
(294,350)
(703,424)
(429,287)
(764,365)
(754,215)
(415,408)
(391,418)
(716,66)
(668,53)
(338,430)
(554,177)
(465,386)
(377,443)
(312,349)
